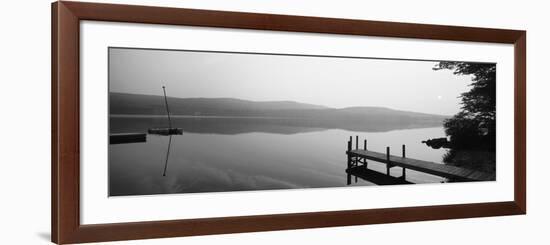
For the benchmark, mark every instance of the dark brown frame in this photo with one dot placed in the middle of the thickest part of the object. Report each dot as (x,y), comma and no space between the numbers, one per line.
(65,175)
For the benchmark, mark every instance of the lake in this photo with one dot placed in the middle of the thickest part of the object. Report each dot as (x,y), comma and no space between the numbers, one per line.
(240,154)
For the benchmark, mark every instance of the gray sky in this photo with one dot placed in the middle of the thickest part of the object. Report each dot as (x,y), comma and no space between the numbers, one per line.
(329,81)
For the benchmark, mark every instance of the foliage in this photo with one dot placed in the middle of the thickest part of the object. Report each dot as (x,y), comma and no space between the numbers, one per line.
(474,127)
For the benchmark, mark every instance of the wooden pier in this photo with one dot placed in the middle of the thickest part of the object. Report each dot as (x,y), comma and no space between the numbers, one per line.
(357,159)
(127,138)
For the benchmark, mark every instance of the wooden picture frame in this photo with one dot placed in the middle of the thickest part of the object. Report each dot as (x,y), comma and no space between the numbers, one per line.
(65,171)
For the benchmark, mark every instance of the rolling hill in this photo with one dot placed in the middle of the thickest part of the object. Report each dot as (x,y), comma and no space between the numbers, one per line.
(275,112)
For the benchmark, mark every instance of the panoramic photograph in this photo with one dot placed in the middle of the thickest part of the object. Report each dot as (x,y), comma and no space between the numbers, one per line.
(191,121)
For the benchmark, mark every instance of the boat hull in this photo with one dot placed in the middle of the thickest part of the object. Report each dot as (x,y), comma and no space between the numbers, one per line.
(165,131)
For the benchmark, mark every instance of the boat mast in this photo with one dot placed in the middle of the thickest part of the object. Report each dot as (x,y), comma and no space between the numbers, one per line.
(167,110)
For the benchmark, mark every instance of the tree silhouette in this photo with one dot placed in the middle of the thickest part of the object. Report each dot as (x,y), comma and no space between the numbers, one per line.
(474,127)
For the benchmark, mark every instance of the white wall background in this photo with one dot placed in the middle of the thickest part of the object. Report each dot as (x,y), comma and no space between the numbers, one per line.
(25,122)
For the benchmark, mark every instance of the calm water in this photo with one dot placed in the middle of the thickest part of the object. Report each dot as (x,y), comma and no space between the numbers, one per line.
(216,155)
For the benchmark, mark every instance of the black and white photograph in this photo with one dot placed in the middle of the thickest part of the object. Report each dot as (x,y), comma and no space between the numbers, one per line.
(195,121)
(275,122)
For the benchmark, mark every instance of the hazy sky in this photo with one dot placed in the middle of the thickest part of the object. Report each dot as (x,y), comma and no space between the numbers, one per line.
(329,81)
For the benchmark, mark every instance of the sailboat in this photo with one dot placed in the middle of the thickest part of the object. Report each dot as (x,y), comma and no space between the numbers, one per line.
(166,131)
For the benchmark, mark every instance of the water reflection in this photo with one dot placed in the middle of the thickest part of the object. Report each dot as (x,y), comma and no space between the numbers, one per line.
(167,155)
(374,177)
(240,125)
(209,162)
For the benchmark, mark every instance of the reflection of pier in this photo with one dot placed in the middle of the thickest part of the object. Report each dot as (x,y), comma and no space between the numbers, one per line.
(357,165)
(374,177)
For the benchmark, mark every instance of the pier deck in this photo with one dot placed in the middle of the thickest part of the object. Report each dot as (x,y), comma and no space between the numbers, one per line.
(438,169)
(358,158)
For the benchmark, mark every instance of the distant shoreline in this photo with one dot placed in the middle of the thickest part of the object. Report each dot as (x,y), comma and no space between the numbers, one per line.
(187,116)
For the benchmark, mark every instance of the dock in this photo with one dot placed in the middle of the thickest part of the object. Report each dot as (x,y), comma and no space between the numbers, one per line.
(358,158)
(125,138)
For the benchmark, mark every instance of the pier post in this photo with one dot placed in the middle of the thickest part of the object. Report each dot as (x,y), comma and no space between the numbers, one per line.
(403,173)
(357,142)
(348,153)
(387,160)
(365,163)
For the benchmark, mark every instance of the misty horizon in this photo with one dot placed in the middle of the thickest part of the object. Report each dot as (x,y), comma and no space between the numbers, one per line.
(286,101)
(335,82)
